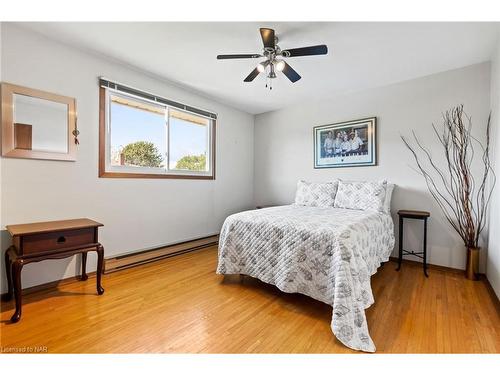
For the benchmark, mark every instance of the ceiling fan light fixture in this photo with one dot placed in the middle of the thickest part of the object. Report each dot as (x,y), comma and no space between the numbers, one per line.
(262,66)
(279,65)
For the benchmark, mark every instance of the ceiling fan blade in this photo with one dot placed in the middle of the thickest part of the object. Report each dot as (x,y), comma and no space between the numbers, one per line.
(305,51)
(252,75)
(241,56)
(290,73)
(267,37)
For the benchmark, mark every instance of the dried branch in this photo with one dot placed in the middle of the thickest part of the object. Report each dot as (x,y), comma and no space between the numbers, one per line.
(462,200)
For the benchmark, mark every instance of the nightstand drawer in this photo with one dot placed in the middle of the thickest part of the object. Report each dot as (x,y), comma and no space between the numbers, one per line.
(43,242)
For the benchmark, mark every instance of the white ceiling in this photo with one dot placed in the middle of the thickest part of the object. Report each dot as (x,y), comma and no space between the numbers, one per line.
(361,55)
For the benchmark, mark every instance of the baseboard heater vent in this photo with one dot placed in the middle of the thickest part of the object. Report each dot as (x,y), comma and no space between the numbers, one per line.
(141,257)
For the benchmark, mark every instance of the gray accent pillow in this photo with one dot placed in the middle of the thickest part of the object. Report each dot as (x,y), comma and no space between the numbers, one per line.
(316,194)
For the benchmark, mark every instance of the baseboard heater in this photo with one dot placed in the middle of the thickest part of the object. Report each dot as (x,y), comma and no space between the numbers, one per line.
(151,255)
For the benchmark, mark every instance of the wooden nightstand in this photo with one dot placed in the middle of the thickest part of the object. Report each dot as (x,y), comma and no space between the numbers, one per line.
(50,240)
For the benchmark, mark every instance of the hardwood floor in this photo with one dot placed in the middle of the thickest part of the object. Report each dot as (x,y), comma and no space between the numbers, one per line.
(180,305)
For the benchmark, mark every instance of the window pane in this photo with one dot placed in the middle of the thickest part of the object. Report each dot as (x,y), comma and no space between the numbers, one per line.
(138,133)
(188,138)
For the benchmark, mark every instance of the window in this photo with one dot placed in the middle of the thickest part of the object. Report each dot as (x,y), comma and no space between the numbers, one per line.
(142,135)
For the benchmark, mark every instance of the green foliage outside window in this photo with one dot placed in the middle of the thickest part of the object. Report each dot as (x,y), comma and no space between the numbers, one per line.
(143,154)
(192,163)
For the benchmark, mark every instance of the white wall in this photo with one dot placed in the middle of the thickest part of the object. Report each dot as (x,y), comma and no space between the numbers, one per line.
(493,261)
(137,213)
(284,146)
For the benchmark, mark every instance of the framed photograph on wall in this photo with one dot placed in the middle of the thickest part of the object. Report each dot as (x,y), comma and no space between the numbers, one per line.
(346,144)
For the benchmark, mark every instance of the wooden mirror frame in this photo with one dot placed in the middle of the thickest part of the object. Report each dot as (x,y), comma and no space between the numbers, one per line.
(7,112)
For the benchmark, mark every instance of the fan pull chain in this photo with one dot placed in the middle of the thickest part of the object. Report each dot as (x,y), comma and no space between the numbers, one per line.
(269,83)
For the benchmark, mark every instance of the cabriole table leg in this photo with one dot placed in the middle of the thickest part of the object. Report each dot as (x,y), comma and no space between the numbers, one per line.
(17,267)
(100,268)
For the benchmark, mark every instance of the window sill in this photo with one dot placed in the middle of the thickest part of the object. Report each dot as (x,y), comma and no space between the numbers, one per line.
(155,175)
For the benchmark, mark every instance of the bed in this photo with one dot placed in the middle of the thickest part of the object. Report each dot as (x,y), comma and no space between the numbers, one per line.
(326,253)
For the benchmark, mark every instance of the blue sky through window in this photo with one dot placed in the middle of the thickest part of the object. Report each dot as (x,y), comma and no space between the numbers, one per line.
(130,125)
(186,138)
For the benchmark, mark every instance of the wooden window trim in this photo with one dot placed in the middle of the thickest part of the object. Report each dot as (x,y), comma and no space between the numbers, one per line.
(102,152)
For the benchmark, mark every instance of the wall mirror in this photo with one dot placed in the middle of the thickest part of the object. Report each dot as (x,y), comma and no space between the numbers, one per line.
(37,124)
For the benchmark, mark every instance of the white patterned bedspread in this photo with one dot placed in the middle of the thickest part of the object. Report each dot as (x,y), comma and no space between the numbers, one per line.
(328,254)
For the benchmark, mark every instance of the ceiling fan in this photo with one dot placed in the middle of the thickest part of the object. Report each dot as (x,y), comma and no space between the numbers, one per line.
(274,55)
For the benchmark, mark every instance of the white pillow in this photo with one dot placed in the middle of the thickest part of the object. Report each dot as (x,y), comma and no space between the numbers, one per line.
(316,194)
(389,188)
(388,195)
(361,195)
